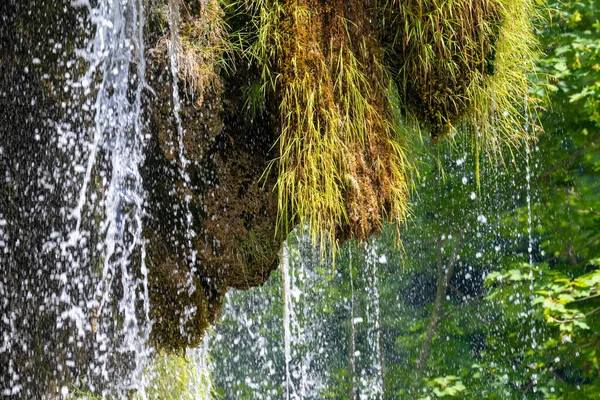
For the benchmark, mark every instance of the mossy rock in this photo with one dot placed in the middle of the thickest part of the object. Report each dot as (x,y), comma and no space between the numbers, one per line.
(462,63)
(180,310)
(225,215)
(334,87)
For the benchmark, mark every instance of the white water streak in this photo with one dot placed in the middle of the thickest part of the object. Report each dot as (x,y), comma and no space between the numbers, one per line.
(287,315)
(174,49)
(373,380)
(117,46)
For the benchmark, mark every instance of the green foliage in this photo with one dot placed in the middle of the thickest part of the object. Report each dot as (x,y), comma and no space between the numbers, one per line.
(177,377)
(447,386)
(559,295)
(454,73)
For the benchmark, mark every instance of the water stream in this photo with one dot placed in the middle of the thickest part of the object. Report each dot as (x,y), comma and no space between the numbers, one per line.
(288,316)
(92,275)
(372,380)
(114,148)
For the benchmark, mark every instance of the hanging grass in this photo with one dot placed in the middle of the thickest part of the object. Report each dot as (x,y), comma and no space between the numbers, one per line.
(337,95)
(456,65)
(464,64)
(341,170)
(329,68)
(202,46)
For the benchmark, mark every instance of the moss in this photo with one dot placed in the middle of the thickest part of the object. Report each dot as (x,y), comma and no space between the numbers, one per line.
(201,47)
(341,171)
(180,310)
(233,211)
(322,96)
(463,63)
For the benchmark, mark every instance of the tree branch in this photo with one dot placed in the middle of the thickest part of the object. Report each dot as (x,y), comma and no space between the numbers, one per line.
(443,279)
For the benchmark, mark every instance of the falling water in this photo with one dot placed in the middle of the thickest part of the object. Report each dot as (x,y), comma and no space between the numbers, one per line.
(528,189)
(97,285)
(290,391)
(352,339)
(174,17)
(307,327)
(533,329)
(304,334)
(246,357)
(372,380)
(115,56)
(201,384)
(308,342)
(300,327)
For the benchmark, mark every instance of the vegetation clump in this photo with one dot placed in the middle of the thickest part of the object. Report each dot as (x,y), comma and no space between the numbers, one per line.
(462,63)
(200,45)
(341,169)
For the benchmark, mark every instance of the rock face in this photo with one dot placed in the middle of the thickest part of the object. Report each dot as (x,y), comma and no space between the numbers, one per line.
(211,213)
(233,212)
(34,44)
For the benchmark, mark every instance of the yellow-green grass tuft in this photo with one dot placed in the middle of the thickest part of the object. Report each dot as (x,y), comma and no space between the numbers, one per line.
(178,377)
(465,64)
(341,170)
(351,88)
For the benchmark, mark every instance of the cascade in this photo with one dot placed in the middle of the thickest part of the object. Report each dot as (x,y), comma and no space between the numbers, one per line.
(257,363)
(305,344)
(91,280)
(287,316)
(352,339)
(296,354)
(116,67)
(130,202)
(371,377)
(530,242)
(174,19)
(201,384)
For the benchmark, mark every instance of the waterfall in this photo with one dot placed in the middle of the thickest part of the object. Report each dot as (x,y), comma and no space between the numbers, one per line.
(288,314)
(372,378)
(89,301)
(290,351)
(116,66)
(528,174)
(201,384)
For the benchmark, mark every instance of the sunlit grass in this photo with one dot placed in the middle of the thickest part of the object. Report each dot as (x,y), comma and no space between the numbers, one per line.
(465,66)
(336,142)
(172,376)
